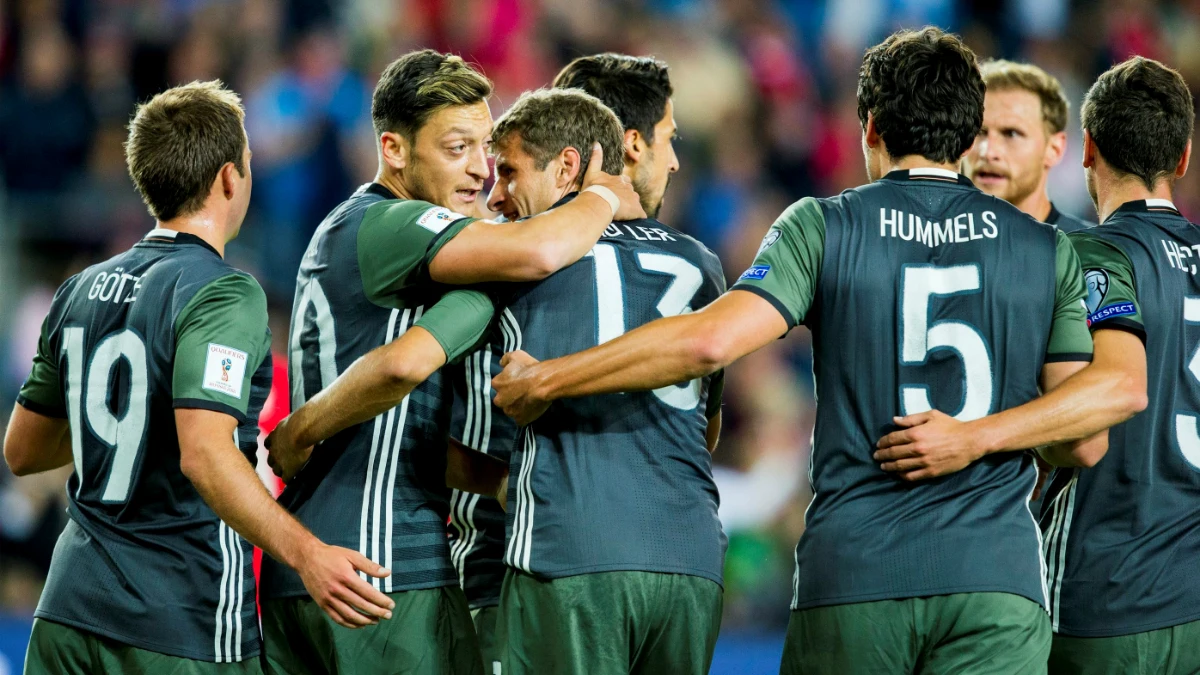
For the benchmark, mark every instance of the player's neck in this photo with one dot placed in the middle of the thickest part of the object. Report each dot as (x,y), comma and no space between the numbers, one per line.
(915,162)
(392,182)
(1118,192)
(201,224)
(1036,204)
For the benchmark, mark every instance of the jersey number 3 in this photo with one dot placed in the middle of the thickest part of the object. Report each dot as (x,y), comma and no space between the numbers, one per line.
(686,280)
(1186,433)
(919,286)
(88,400)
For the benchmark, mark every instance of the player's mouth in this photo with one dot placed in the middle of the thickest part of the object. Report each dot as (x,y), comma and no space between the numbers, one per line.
(989,178)
(467,196)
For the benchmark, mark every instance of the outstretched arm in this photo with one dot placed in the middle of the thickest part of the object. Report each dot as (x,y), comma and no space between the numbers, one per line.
(667,351)
(1109,391)
(534,248)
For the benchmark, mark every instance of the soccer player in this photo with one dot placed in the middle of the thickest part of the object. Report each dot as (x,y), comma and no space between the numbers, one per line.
(921,292)
(150,374)
(1121,537)
(1023,137)
(638,90)
(377,269)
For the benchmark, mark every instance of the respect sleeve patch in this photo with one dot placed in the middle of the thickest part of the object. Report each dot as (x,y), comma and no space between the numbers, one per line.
(436,219)
(1111,312)
(225,369)
(756,273)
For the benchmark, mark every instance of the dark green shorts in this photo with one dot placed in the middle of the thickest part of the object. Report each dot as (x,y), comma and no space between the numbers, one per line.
(618,623)
(430,633)
(1166,651)
(491,643)
(976,633)
(56,649)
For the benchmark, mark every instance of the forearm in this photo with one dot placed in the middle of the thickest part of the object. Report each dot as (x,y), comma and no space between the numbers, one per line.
(1087,403)
(372,385)
(526,250)
(35,443)
(663,352)
(229,485)
(1084,453)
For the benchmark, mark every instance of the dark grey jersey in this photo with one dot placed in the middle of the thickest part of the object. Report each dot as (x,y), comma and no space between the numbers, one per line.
(1066,222)
(143,559)
(623,481)
(1123,537)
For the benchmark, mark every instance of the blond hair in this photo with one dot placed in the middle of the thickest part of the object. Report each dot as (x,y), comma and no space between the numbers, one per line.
(1001,75)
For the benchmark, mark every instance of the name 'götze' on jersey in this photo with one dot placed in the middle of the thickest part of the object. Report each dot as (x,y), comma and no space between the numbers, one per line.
(957,230)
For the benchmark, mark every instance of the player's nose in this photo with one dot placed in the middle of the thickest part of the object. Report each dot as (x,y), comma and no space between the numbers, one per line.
(495,200)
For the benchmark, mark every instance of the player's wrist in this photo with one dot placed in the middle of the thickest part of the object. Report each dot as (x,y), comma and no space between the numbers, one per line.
(611,203)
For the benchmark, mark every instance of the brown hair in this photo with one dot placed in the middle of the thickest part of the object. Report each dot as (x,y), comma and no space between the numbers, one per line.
(1001,75)
(177,143)
(552,120)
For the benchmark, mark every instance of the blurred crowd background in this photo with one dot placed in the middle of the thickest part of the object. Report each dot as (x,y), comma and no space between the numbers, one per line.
(764,99)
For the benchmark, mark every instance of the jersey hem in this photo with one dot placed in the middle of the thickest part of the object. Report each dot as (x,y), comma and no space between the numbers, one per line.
(290,594)
(1127,630)
(923,593)
(1068,356)
(142,644)
(484,604)
(214,406)
(623,567)
(775,302)
(1122,324)
(40,408)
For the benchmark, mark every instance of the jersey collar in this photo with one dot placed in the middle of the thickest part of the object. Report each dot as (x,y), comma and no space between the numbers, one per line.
(1054,216)
(930,174)
(1164,206)
(161,235)
(378,189)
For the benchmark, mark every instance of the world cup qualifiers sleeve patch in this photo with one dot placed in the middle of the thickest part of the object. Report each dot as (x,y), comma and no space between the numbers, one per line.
(1097,288)
(1111,312)
(224,370)
(755,273)
(436,219)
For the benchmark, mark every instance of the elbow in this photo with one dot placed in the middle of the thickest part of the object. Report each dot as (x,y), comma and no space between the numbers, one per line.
(191,464)
(1091,453)
(707,353)
(546,259)
(1131,396)
(406,373)
(18,463)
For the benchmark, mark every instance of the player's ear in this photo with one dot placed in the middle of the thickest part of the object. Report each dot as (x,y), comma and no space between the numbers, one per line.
(226,177)
(870,133)
(1089,150)
(394,150)
(635,145)
(1056,147)
(570,164)
(1182,167)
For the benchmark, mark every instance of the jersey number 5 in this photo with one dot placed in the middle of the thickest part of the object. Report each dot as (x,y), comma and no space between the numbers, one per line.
(686,280)
(88,400)
(919,286)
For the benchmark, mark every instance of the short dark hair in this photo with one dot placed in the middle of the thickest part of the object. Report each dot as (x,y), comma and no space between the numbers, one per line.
(177,143)
(549,121)
(1140,116)
(924,90)
(635,87)
(415,86)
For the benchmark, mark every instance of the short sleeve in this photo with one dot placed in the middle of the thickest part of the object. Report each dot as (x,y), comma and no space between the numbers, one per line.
(220,340)
(1111,287)
(458,321)
(396,242)
(1069,336)
(788,264)
(42,391)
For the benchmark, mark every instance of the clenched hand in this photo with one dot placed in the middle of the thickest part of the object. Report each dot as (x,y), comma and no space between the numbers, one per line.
(515,388)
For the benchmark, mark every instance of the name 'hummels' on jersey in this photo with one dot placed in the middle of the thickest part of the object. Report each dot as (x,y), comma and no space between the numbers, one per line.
(960,229)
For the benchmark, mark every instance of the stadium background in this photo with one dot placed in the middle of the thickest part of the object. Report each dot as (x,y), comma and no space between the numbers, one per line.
(764,98)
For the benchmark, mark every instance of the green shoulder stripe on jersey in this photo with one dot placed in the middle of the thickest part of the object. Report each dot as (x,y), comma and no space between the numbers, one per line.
(220,340)
(458,321)
(788,265)
(1069,336)
(1112,301)
(396,242)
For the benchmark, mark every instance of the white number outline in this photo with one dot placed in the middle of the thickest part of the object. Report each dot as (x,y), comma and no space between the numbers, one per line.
(1187,434)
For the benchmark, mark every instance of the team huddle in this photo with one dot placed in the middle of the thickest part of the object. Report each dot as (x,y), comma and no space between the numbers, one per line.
(499,454)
